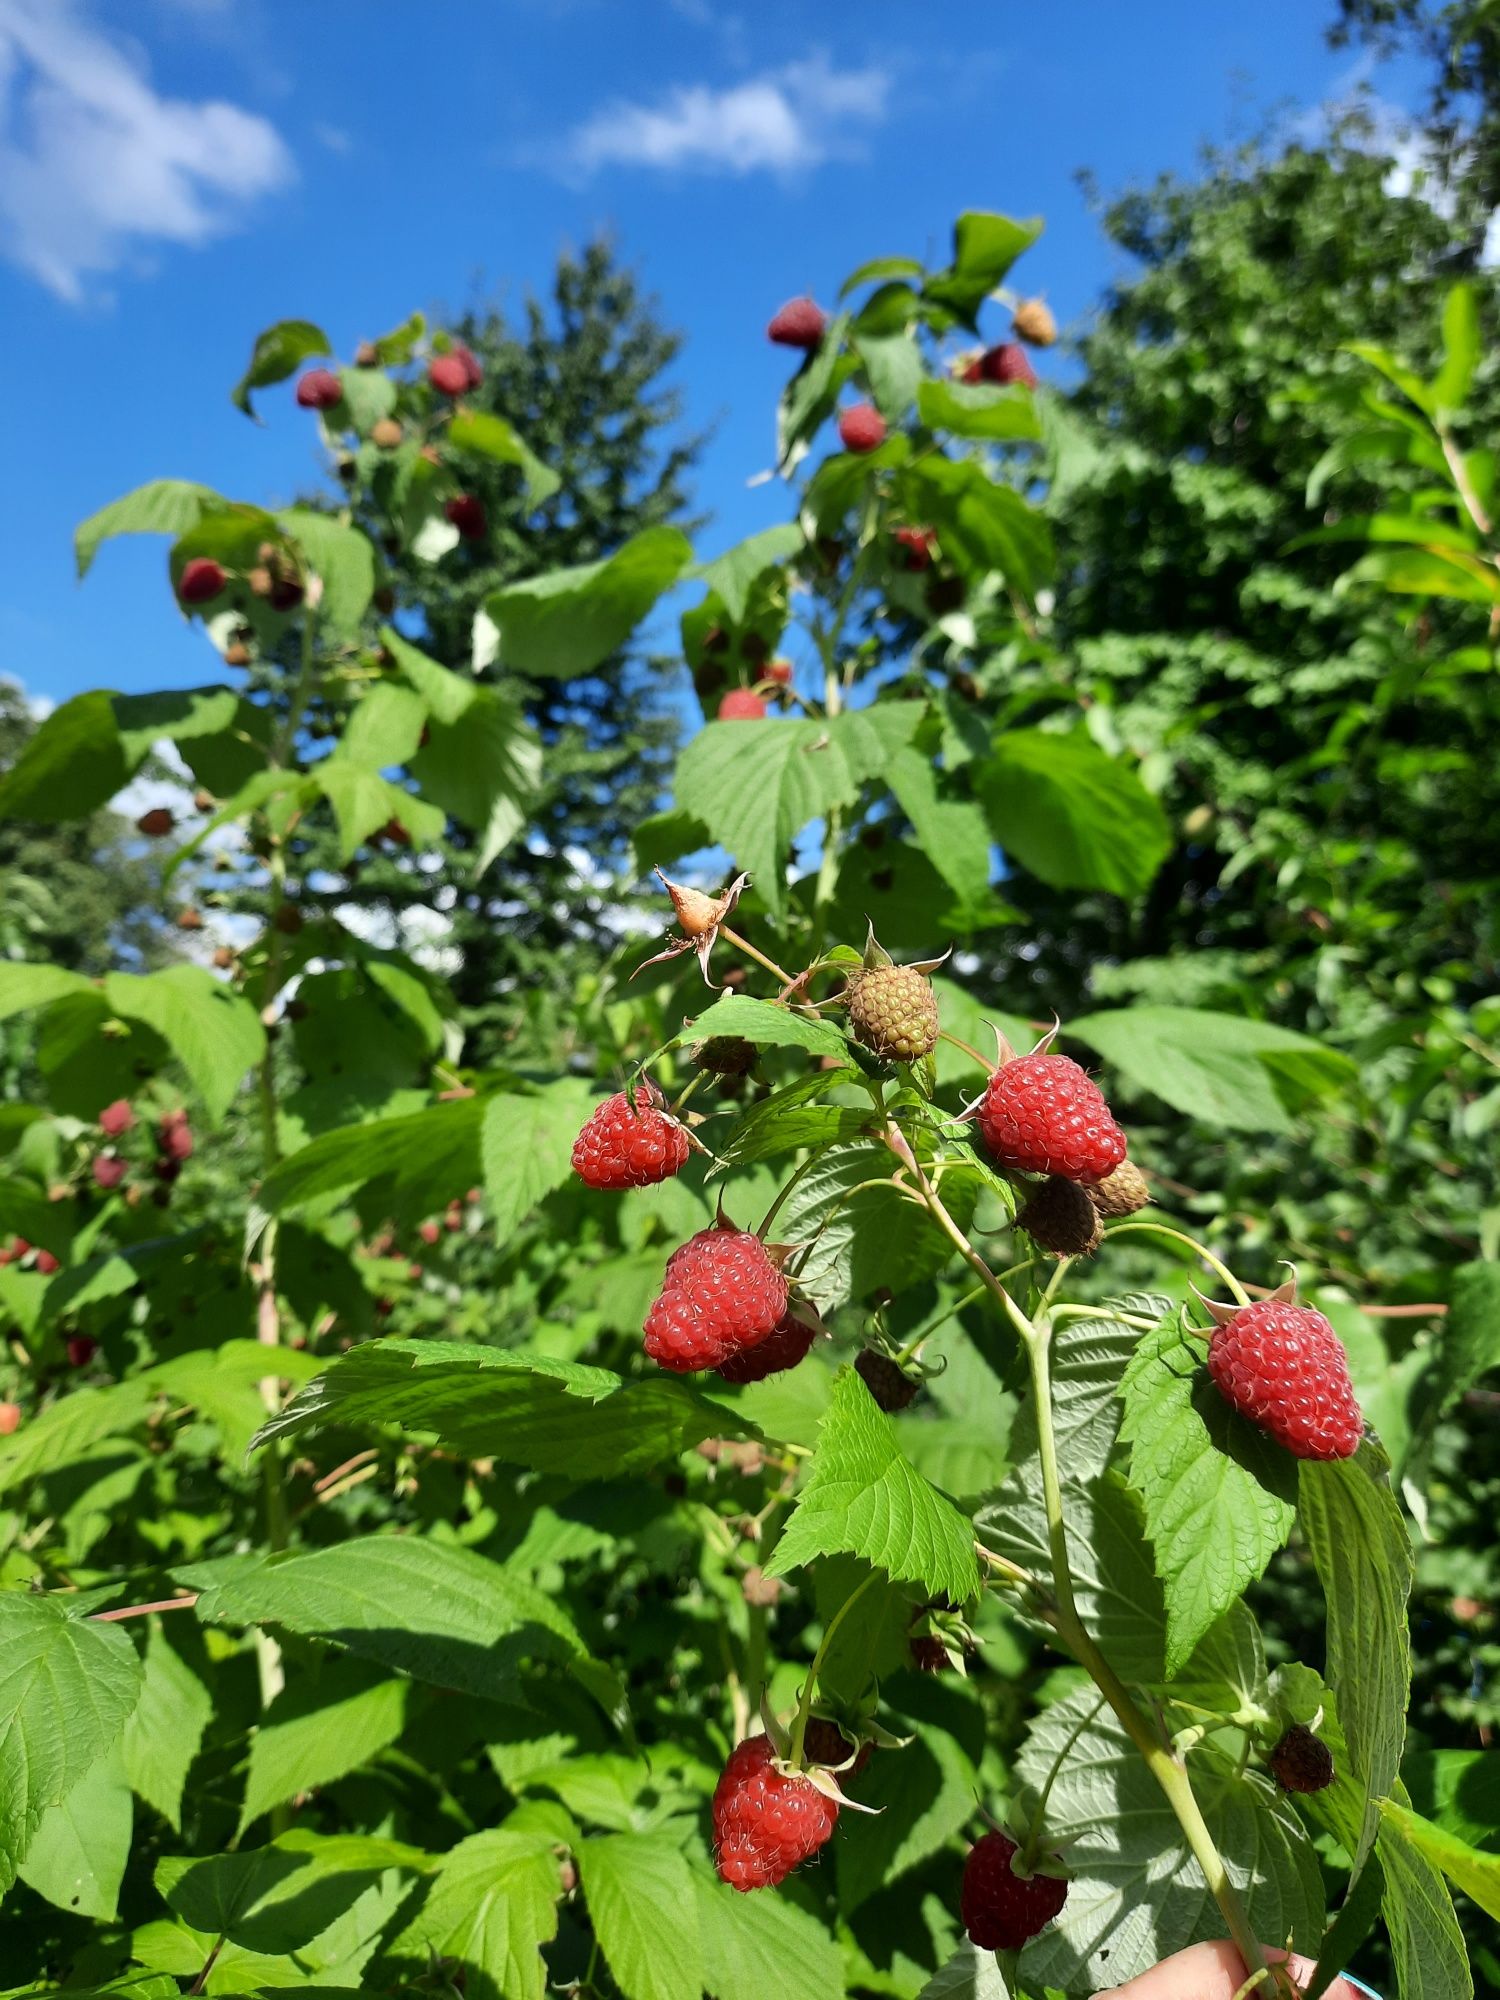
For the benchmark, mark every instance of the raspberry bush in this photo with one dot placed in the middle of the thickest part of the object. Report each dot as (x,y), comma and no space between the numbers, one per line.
(759,1502)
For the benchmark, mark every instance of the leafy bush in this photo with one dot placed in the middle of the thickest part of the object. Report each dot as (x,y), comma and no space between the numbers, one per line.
(380,1613)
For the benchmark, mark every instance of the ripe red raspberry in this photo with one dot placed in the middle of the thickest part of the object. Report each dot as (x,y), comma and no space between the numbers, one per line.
(1284,1368)
(766,1823)
(780,671)
(800,323)
(741,705)
(319,389)
(783,1347)
(81,1349)
(1301,1762)
(1009,362)
(174,1139)
(116,1118)
(468,516)
(454,372)
(108,1170)
(46,1264)
(1000,1911)
(430,1232)
(10,1418)
(155,822)
(624,1148)
(918,546)
(201,579)
(1040,1114)
(861,428)
(721,1293)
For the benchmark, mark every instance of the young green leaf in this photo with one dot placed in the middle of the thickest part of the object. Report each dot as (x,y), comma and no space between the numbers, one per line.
(645,1914)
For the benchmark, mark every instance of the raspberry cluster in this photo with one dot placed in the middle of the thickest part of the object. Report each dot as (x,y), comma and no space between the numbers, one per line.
(721,1293)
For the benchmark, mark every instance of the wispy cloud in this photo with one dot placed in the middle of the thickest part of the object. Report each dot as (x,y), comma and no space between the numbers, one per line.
(783,121)
(96,165)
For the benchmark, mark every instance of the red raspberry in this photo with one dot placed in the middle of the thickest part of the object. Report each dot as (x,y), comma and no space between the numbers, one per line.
(1009,362)
(861,428)
(740,705)
(721,1293)
(430,1232)
(47,1265)
(917,547)
(800,323)
(201,579)
(624,1148)
(108,1170)
(155,822)
(1041,1114)
(766,1823)
(174,1139)
(319,389)
(1284,1368)
(454,372)
(10,1418)
(780,671)
(1000,1911)
(468,516)
(783,1347)
(116,1118)
(81,1349)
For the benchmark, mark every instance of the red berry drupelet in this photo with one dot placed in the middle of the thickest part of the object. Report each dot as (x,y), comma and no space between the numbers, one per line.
(765,1822)
(721,1293)
(1040,1114)
(622,1146)
(861,428)
(1284,1368)
(788,1342)
(1001,1912)
(800,323)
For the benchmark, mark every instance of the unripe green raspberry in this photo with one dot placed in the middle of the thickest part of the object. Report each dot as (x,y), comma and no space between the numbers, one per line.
(893,1011)
(1058,1216)
(1122,1192)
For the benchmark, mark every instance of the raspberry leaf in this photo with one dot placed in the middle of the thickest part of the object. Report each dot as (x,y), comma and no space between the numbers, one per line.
(569,620)
(971,1974)
(865,1498)
(862,1242)
(1220,1499)
(66,1688)
(645,1914)
(924,1794)
(1136,1894)
(755,1945)
(765,1024)
(1074,816)
(1427,1946)
(525,1409)
(1362,1553)
(733,574)
(790,1120)
(492,1905)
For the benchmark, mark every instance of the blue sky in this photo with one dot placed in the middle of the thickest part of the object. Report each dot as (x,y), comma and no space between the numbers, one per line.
(176,173)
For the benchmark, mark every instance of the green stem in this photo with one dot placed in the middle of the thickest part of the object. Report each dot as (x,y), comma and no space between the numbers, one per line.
(810,1685)
(744,945)
(1241,1296)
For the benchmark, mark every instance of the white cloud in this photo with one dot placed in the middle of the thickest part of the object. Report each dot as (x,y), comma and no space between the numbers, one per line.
(783,121)
(95,164)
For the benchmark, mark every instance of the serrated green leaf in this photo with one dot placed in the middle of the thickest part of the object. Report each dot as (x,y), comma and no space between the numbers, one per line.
(77,1855)
(732,575)
(385,727)
(343,560)
(363,802)
(1470,1343)
(490,436)
(767,1024)
(893,366)
(1075,817)
(980,410)
(1215,1067)
(759,1945)
(808,399)
(645,1915)
(570,620)
(491,1907)
(982,526)
(427,1157)
(179,714)
(865,1498)
(72,764)
(1427,1947)
(66,1689)
(277,1898)
(1467,1868)
(874,1239)
(1362,1553)
(525,1148)
(985,245)
(971,1974)
(1136,1895)
(438,1613)
(1220,1499)
(23,987)
(790,1120)
(165,1728)
(163,507)
(66,1428)
(317,1730)
(922,1799)
(278,352)
(525,1409)
(212,1031)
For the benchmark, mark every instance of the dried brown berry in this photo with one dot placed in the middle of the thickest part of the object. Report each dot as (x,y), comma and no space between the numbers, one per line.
(1122,1192)
(725,1055)
(1301,1762)
(889,1385)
